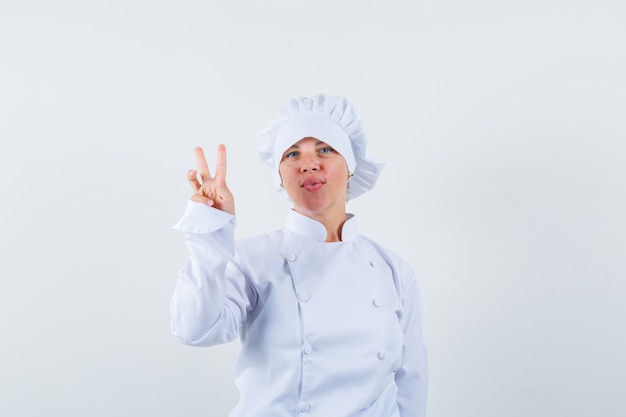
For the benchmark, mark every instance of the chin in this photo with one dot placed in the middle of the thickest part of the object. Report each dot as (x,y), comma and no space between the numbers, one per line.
(316,206)
(310,208)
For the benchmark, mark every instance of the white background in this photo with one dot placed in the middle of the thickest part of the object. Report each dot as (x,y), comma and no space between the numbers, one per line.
(502,125)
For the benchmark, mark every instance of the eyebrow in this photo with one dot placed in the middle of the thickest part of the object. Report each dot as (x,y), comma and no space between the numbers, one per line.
(296,146)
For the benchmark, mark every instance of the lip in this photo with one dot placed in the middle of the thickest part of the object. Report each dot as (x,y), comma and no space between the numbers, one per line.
(312,184)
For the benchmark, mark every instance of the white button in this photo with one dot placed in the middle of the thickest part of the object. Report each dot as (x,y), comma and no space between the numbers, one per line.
(382,355)
(377,301)
(304,407)
(290,256)
(304,296)
(307,349)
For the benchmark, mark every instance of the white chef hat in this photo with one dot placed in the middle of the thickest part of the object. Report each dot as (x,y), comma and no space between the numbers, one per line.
(331,119)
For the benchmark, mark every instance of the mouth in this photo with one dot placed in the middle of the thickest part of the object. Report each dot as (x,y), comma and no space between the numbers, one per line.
(312,184)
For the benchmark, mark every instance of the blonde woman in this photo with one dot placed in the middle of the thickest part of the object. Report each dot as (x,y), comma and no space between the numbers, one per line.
(330,322)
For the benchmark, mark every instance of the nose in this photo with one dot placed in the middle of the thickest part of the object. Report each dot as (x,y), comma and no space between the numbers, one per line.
(309,163)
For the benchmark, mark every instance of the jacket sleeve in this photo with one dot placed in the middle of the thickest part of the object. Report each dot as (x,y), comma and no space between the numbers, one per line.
(212,295)
(412,377)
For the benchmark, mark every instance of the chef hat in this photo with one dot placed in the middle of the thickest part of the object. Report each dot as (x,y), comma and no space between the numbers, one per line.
(331,119)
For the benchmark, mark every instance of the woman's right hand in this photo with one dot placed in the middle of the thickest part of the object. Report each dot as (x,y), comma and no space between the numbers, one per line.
(213,190)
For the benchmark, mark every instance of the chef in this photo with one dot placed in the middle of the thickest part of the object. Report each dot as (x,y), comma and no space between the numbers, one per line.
(330,322)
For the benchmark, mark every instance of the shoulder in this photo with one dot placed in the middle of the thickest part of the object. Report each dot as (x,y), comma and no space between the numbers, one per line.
(260,245)
(403,272)
(260,249)
(392,257)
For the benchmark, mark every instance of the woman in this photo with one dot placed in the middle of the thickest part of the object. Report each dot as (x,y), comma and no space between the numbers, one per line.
(329,321)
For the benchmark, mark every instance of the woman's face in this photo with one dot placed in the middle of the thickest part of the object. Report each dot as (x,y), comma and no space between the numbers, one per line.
(316,178)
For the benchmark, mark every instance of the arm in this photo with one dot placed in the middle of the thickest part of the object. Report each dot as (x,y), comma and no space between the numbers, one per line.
(412,377)
(212,295)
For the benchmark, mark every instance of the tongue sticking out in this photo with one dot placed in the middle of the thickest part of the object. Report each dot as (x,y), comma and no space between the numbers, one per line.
(312,185)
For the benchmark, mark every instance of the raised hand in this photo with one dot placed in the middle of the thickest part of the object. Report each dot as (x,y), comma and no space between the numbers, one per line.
(213,190)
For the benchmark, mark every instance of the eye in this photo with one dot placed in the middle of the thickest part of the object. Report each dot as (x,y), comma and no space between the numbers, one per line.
(326,149)
(291,154)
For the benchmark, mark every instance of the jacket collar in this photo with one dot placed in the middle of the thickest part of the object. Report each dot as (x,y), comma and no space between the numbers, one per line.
(308,227)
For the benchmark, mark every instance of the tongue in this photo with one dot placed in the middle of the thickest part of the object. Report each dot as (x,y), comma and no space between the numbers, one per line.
(312,186)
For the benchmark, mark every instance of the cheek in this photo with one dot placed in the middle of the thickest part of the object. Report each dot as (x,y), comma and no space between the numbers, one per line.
(341,171)
(285,173)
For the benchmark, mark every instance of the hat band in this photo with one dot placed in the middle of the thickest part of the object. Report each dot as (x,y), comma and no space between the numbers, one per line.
(313,125)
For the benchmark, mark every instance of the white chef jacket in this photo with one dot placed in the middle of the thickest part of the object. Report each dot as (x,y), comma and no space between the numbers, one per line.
(328,329)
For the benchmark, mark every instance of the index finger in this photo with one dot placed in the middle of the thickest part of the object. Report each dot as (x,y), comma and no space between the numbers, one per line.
(220,168)
(203,168)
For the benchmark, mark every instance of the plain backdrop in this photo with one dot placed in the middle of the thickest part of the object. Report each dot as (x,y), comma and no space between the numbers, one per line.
(502,124)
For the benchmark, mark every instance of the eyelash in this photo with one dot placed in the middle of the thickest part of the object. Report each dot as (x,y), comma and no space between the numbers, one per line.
(323,150)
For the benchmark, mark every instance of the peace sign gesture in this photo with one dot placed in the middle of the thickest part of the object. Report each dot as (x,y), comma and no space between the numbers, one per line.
(213,190)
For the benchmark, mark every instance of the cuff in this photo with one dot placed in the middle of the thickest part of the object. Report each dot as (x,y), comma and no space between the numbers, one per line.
(200,218)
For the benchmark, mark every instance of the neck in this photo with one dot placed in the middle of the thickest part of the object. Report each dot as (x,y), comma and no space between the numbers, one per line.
(333,234)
